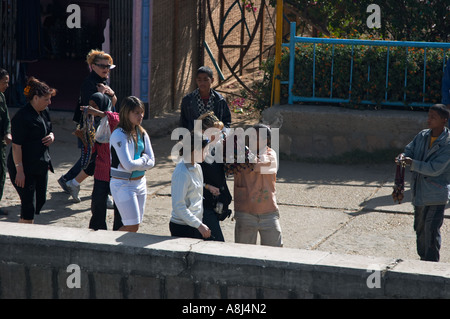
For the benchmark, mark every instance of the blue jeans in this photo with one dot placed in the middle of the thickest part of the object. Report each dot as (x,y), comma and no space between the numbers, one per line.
(427,223)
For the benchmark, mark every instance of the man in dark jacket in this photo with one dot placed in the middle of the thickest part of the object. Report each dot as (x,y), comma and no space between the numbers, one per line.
(202,100)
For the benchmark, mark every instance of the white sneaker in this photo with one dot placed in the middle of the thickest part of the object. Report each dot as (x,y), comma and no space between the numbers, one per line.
(74,191)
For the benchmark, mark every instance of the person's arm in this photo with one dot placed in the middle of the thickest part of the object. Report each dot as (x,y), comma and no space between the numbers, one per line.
(92,111)
(149,152)
(432,168)
(6,123)
(17,156)
(120,144)
(184,120)
(267,163)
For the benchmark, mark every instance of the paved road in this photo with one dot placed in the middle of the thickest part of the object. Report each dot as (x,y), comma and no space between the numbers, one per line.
(342,209)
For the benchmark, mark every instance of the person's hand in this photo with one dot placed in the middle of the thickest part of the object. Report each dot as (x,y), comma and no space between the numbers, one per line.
(101,88)
(407,160)
(8,139)
(20,178)
(205,231)
(399,159)
(48,140)
(104,89)
(402,159)
(213,190)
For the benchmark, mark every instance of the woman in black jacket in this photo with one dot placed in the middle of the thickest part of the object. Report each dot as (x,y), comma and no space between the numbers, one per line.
(29,160)
(100,64)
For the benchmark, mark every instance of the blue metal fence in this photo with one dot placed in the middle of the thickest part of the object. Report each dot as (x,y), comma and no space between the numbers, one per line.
(294,39)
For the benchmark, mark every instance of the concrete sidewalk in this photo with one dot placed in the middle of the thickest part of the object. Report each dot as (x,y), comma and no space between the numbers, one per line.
(333,208)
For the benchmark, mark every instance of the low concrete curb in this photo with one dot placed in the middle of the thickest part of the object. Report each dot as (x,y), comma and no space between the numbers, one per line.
(35,260)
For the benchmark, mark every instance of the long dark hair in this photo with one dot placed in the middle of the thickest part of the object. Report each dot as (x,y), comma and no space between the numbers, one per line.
(129,104)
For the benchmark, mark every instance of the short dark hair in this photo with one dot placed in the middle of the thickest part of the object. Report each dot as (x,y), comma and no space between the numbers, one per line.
(265,127)
(442,110)
(206,70)
(3,73)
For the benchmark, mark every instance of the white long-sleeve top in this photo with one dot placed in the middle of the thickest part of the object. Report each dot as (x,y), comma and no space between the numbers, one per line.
(187,195)
(124,148)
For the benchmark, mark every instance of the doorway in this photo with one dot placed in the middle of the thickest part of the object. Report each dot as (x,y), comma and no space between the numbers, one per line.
(63,62)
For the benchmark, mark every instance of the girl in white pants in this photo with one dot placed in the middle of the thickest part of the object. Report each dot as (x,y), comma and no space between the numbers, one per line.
(131,156)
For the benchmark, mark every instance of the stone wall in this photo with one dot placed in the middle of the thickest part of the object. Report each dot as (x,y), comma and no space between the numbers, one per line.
(36,261)
(325,131)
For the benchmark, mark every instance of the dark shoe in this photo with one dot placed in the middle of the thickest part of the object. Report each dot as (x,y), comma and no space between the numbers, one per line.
(3,212)
(62,182)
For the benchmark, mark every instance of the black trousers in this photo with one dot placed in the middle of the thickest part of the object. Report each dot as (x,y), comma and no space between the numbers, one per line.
(211,220)
(99,206)
(34,195)
(184,231)
(427,224)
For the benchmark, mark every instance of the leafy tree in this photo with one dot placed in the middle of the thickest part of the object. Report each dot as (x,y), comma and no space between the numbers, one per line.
(412,20)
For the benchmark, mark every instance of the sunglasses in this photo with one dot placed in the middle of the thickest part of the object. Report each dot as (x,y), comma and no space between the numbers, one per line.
(105,66)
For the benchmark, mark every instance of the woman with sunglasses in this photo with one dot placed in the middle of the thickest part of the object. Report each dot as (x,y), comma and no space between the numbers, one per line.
(100,64)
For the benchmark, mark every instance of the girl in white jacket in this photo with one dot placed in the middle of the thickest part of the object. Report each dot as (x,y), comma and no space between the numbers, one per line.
(131,156)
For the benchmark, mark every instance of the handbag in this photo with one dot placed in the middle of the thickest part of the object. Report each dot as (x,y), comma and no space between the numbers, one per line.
(86,133)
(103,133)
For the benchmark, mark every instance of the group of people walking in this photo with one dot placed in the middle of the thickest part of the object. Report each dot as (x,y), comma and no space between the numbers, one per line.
(31,134)
(200,195)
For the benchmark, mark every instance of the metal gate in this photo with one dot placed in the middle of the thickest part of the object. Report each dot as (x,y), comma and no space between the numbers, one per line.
(8,12)
(121,13)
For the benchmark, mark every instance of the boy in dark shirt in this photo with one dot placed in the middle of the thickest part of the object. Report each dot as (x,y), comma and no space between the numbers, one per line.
(203,100)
